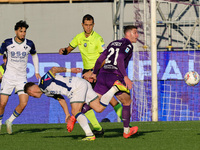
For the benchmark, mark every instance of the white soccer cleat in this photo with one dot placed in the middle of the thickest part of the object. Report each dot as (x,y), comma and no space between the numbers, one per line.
(9,126)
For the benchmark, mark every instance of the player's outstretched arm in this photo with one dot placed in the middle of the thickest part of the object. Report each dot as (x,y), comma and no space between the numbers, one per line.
(36,65)
(55,70)
(65,109)
(37,75)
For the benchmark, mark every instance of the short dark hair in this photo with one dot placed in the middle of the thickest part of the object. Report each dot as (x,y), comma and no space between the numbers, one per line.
(21,24)
(4,56)
(27,86)
(87,17)
(129,27)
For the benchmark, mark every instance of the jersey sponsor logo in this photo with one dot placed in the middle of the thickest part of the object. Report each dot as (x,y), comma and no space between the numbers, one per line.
(116,44)
(55,92)
(18,54)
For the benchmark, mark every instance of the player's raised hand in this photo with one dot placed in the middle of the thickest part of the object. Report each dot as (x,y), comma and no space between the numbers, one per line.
(128,82)
(37,75)
(87,75)
(76,70)
(92,78)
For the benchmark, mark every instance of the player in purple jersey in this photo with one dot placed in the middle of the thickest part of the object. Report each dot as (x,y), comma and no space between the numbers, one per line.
(117,56)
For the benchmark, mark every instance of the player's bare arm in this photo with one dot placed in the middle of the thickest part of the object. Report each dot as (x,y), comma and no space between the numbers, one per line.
(65,108)
(88,74)
(65,51)
(37,75)
(55,70)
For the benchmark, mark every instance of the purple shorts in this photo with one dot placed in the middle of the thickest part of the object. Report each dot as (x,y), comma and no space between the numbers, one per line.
(105,81)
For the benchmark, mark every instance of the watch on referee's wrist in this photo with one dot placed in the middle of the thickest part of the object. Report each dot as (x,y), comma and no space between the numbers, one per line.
(65,52)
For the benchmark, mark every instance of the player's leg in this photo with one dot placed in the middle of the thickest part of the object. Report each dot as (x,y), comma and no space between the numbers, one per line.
(78,98)
(7,87)
(23,100)
(117,107)
(98,104)
(82,120)
(98,130)
(3,102)
(126,101)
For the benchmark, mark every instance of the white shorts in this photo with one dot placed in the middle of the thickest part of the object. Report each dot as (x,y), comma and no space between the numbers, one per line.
(8,85)
(82,92)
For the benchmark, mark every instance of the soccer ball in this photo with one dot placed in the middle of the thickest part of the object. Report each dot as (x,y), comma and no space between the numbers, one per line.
(191,78)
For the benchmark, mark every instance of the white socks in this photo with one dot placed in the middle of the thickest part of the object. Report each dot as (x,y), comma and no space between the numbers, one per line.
(105,99)
(12,117)
(82,120)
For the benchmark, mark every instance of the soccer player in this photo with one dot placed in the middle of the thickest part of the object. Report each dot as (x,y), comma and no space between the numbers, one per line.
(78,90)
(91,45)
(117,56)
(3,66)
(15,75)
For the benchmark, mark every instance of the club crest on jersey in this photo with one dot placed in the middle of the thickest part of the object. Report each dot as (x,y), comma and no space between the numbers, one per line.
(25,47)
(127,50)
(85,44)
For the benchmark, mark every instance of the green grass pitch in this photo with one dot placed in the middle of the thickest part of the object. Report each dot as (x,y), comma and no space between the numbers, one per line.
(183,135)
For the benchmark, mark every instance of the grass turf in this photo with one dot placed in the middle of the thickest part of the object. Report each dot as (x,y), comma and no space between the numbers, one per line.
(183,135)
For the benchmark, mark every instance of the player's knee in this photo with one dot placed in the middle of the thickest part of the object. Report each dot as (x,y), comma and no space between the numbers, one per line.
(3,104)
(99,109)
(127,102)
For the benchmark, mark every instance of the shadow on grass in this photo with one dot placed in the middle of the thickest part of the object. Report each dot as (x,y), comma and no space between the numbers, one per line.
(36,130)
(109,133)
(117,132)
(66,136)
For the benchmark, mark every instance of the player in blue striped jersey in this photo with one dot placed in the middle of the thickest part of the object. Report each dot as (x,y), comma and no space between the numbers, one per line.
(78,90)
(15,75)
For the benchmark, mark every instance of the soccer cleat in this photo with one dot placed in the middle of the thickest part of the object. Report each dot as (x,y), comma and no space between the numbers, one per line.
(133,130)
(9,126)
(121,87)
(70,124)
(89,138)
(101,132)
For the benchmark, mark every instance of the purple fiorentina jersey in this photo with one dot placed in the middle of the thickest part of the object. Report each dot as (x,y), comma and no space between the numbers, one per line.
(117,56)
